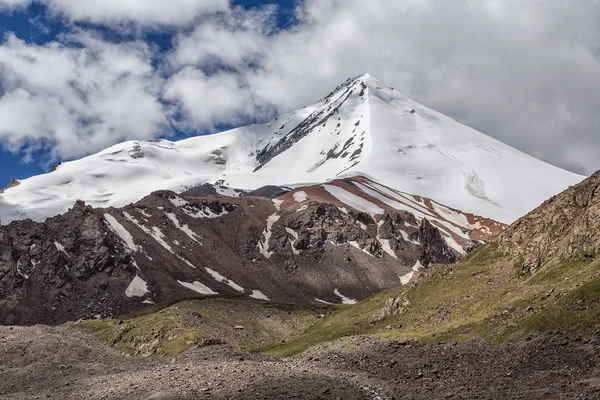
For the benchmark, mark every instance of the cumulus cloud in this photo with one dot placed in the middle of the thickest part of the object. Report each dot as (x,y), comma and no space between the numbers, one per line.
(140,12)
(526,72)
(76,100)
(166,12)
(236,38)
(207,101)
(13,4)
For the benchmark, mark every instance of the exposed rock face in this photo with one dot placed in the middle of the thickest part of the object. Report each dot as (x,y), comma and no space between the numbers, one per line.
(55,166)
(314,120)
(13,183)
(65,268)
(104,262)
(434,249)
(267,191)
(203,190)
(324,227)
(565,226)
(393,306)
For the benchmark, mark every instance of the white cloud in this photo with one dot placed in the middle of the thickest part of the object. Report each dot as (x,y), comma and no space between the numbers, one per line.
(11,4)
(145,12)
(235,38)
(208,100)
(76,100)
(142,12)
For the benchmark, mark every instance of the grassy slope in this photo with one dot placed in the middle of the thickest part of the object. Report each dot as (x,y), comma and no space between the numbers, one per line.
(170,329)
(483,297)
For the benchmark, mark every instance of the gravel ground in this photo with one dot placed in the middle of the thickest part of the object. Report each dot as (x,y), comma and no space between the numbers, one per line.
(62,363)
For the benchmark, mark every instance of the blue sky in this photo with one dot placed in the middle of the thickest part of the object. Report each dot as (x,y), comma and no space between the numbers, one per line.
(34,24)
(78,76)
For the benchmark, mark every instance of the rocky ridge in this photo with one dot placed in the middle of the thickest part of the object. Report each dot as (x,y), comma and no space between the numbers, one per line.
(305,246)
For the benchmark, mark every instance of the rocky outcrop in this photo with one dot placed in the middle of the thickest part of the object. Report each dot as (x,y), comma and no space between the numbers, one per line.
(434,249)
(65,268)
(565,226)
(269,191)
(318,118)
(13,183)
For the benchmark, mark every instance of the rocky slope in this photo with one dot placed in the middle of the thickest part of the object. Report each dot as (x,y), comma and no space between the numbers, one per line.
(339,242)
(566,226)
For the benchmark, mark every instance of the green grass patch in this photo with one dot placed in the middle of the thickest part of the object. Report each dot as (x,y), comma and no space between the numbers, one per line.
(172,328)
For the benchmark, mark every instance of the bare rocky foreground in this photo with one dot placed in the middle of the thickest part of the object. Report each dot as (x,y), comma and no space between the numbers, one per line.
(63,363)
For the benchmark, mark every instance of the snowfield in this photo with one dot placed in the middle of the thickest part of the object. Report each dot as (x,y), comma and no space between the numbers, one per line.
(362,128)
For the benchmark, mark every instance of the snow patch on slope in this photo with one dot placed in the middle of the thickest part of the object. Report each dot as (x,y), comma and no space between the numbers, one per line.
(385,245)
(300,196)
(137,288)
(355,244)
(406,278)
(204,212)
(345,300)
(184,228)
(263,244)
(220,278)
(354,201)
(61,248)
(418,266)
(179,202)
(154,232)
(187,262)
(406,238)
(121,232)
(452,243)
(277,203)
(257,294)
(21,273)
(198,288)
(293,242)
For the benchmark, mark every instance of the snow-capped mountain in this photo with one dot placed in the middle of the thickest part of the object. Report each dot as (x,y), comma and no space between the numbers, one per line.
(363,128)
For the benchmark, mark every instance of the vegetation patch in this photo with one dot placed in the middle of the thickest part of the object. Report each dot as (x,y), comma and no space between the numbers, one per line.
(172,328)
(482,298)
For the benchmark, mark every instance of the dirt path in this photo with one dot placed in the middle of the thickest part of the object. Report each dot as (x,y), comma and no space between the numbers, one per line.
(61,363)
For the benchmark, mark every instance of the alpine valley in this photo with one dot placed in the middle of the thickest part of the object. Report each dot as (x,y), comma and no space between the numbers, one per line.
(361,237)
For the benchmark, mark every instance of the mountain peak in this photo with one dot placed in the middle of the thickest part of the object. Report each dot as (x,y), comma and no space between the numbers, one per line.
(365,81)
(363,128)
(370,80)
(361,85)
